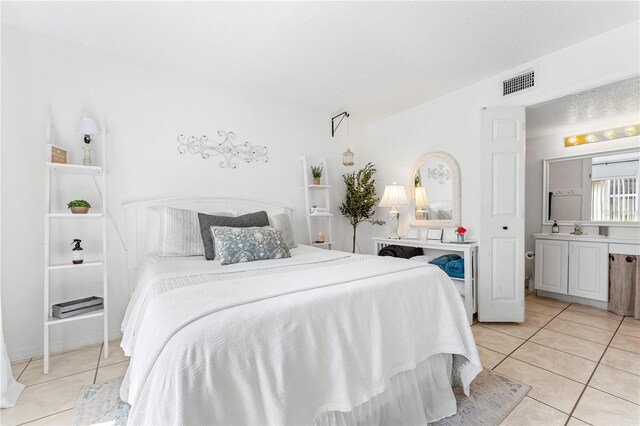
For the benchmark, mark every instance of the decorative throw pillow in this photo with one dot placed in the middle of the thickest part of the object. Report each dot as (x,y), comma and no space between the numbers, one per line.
(244,221)
(236,245)
(179,233)
(442,261)
(282,222)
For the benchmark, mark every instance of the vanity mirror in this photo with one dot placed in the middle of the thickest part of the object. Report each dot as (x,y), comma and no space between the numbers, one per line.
(598,189)
(435,191)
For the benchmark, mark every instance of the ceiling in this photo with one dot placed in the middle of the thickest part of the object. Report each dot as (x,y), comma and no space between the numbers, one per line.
(370,58)
(612,105)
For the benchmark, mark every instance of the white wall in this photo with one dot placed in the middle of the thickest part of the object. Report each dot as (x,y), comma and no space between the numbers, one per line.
(144,110)
(451,123)
(552,146)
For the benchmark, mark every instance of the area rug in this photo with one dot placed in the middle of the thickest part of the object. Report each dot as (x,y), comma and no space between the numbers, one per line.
(492,398)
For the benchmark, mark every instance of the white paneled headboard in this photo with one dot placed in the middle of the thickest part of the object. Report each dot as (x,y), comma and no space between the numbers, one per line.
(137,217)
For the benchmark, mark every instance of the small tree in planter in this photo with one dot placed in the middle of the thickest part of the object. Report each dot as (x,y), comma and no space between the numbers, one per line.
(360,198)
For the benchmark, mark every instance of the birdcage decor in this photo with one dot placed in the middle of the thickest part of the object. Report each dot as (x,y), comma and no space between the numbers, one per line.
(347,158)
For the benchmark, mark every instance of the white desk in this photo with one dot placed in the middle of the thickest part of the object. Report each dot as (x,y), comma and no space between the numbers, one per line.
(469,252)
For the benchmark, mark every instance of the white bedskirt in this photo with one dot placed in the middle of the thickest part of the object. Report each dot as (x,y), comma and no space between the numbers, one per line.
(414,397)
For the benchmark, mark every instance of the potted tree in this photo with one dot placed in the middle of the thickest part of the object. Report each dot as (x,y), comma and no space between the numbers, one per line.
(79,206)
(316,172)
(360,198)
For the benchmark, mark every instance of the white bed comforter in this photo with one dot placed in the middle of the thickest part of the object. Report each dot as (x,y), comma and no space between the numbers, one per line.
(281,342)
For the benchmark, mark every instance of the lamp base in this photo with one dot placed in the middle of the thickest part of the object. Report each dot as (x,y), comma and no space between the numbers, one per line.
(393,219)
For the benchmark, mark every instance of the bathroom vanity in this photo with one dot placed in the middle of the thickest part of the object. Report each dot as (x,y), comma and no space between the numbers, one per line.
(576,267)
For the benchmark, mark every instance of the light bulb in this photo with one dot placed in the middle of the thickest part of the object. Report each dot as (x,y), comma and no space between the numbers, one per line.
(610,134)
(630,130)
(591,137)
(572,140)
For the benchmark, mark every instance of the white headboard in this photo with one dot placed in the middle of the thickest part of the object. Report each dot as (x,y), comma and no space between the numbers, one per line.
(137,212)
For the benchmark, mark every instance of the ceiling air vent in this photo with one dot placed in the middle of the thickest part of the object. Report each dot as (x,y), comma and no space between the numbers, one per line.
(518,83)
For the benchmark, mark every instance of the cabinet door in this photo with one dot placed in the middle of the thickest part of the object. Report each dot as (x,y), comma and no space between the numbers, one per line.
(552,265)
(589,270)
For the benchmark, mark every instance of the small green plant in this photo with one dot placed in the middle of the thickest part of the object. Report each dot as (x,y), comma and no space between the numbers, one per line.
(316,171)
(78,203)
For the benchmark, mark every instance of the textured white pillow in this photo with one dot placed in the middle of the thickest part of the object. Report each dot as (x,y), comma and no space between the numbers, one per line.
(282,222)
(179,233)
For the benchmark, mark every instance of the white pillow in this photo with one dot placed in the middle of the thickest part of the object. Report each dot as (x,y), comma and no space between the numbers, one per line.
(179,233)
(282,222)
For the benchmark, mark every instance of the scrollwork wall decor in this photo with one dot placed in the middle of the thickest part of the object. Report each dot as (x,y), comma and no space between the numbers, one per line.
(230,152)
(439,173)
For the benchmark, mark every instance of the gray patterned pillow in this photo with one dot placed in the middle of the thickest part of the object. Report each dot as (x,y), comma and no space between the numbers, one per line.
(236,245)
(244,221)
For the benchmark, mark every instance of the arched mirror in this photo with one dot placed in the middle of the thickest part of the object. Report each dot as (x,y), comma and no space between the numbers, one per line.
(435,193)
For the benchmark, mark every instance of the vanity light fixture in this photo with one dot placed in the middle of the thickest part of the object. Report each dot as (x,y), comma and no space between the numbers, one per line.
(394,196)
(602,135)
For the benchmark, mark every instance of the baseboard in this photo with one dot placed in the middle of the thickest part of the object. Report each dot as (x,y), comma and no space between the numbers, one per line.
(62,346)
(574,299)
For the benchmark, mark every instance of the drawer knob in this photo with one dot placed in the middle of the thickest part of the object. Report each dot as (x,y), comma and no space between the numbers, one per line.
(505,227)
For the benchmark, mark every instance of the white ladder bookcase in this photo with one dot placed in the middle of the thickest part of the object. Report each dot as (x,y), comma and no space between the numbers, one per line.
(319,196)
(50,219)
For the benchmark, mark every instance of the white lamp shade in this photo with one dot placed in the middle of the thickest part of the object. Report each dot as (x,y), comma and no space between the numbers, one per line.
(394,196)
(421,196)
(87,126)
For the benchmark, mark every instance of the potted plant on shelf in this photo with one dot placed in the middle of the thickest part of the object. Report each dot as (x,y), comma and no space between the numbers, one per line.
(360,198)
(460,231)
(316,172)
(79,206)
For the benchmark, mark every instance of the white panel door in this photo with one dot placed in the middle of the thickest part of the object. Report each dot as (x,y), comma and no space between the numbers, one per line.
(501,283)
(589,270)
(552,263)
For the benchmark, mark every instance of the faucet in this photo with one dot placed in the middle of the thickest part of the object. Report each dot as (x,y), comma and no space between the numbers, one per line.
(577,229)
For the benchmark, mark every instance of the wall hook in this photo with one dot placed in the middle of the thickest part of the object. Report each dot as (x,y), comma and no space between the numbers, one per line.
(334,126)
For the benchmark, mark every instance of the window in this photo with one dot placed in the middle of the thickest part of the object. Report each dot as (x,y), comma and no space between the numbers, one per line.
(614,199)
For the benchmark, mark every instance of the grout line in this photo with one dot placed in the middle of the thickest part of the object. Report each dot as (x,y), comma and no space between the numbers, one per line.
(594,372)
(24,369)
(57,378)
(619,369)
(615,396)
(550,406)
(565,352)
(95,376)
(526,340)
(44,417)
(592,326)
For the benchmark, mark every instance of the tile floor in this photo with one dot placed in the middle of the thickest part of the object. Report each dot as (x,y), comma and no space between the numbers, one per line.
(583,366)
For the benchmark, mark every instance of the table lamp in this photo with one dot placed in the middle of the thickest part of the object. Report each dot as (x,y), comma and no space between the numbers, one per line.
(394,196)
(87,127)
(421,201)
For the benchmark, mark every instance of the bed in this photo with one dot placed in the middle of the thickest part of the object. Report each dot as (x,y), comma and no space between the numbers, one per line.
(322,337)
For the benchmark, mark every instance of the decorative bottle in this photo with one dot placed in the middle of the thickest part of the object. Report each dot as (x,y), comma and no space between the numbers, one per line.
(555,228)
(76,252)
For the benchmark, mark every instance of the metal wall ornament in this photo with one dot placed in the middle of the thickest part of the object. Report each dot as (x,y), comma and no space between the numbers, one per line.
(231,152)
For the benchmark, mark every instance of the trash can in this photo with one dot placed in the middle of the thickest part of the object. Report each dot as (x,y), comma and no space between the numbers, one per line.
(624,285)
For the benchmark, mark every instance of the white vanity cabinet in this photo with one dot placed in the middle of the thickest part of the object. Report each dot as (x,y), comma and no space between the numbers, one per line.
(589,270)
(552,264)
(574,268)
